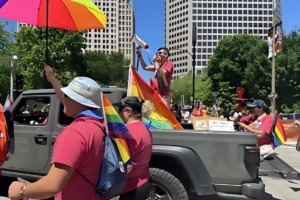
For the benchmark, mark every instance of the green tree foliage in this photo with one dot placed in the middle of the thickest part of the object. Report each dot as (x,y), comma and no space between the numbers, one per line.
(235,58)
(5,58)
(184,86)
(288,72)
(65,55)
(107,69)
(241,61)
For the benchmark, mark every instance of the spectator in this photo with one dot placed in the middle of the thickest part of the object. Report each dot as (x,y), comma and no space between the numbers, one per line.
(175,112)
(197,111)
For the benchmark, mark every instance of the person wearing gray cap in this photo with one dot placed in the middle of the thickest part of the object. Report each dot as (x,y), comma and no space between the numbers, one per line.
(131,110)
(78,148)
(260,124)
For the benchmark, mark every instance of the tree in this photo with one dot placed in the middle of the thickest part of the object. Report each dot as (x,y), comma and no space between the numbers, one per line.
(183,86)
(241,61)
(107,69)
(257,76)
(65,55)
(5,58)
(288,73)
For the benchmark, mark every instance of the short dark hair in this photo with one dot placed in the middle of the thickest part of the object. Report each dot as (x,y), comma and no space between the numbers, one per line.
(176,106)
(164,48)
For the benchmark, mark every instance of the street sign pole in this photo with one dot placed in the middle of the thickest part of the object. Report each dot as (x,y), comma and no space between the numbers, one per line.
(273,64)
(194,59)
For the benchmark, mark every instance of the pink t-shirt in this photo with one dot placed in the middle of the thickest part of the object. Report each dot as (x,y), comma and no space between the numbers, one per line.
(140,154)
(263,123)
(168,66)
(80,145)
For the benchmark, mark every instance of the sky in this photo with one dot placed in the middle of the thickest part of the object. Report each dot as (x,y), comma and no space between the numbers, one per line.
(150,25)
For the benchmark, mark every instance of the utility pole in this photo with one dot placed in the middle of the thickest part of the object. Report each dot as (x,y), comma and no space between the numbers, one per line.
(12,72)
(273,95)
(194,60)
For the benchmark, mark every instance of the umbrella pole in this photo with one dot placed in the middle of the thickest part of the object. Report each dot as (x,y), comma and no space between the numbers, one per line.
(47,28)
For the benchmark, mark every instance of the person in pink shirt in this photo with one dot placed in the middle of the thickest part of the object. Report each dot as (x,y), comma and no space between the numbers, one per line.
(261,124)
(138,178)
(78,149)
(163,71)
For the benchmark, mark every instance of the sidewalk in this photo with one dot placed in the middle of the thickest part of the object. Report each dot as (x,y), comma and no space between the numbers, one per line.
(280,189)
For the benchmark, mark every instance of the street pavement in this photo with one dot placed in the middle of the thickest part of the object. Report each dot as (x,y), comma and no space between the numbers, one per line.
(280,189)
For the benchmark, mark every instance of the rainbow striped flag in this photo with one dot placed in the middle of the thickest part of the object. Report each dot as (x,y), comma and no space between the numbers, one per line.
(278,135)
(161,117)
(116,128)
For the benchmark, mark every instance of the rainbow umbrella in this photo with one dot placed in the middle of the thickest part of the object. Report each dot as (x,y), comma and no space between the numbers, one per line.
(76,15)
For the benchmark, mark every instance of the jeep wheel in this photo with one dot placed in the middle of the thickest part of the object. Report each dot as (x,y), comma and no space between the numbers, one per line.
(165,186)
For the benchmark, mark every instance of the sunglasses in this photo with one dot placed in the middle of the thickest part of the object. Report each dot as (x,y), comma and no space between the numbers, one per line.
(161,52)
(121,108)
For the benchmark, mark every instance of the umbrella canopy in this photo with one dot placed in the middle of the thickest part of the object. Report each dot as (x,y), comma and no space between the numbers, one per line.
(76,15)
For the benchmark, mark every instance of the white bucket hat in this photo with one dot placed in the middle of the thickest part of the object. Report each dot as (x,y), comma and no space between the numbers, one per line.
(84,91)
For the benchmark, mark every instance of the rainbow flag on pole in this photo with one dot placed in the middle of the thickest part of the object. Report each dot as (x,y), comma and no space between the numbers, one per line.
(116,129)
(161,117)
(278,135)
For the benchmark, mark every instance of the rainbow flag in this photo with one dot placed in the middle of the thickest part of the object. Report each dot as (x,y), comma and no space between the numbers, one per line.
(161,116)
(116,128)
(278,134)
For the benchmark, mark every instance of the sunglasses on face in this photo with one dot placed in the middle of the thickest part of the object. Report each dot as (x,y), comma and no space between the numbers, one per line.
(121,108)
(161,52)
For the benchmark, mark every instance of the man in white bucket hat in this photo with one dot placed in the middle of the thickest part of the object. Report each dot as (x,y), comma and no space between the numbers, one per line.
(79,147)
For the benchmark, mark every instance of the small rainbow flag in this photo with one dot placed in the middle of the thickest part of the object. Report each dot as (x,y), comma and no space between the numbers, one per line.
(116,128)
(161,116)
(278,135)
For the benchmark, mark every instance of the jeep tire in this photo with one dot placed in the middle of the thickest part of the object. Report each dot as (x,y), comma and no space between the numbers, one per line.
(166,186)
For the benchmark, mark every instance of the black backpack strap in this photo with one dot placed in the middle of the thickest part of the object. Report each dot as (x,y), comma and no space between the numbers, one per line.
(86,179)
(81,173)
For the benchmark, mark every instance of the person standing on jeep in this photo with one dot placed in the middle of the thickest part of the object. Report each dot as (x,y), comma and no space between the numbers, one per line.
(138,178)
(78,148)
(163,71)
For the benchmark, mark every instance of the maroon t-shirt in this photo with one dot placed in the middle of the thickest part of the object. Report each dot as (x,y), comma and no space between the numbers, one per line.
(263,123)
(168,66)
(140,153)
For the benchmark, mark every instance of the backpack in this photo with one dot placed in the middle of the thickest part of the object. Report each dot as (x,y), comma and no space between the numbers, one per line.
(4,138)
(113,175)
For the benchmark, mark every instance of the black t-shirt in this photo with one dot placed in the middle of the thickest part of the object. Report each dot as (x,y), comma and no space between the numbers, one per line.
(178,118)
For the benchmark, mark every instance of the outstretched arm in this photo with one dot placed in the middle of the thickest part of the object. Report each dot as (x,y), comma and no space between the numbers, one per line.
(49,72)
(144,65)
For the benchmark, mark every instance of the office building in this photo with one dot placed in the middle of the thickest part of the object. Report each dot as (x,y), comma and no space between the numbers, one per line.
(213,19)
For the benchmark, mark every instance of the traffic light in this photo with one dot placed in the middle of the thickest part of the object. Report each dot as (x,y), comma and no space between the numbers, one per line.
(19,81)
(215,85)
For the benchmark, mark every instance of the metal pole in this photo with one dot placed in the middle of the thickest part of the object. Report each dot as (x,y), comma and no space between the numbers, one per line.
(12,72)
(194,60)
(273,64)
(47,29)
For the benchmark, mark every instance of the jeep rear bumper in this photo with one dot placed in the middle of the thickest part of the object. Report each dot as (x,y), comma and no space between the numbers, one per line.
(248,191)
